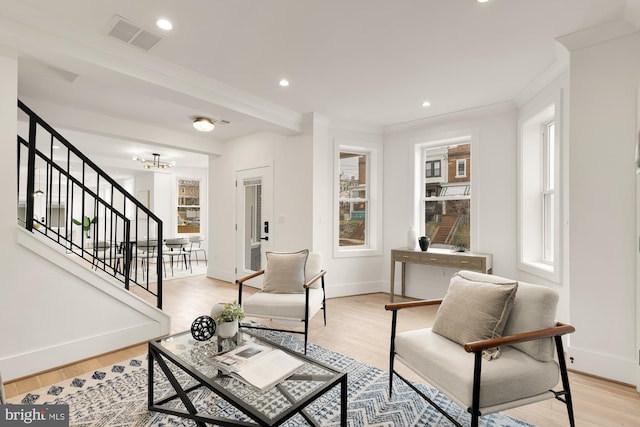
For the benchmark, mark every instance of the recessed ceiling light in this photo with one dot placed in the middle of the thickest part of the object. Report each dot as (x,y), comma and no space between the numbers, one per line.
(164,24)
(203,124)
(284,82)
(426,104)
(483,1)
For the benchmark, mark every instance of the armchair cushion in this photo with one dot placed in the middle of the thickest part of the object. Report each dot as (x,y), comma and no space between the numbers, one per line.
(475,307)
(283,307)
(285,272)
(445,365)
(534,308)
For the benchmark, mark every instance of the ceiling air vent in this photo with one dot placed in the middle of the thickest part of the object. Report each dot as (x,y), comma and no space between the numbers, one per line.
(128,32)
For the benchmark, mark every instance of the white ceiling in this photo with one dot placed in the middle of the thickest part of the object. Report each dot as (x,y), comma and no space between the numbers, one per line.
(366,62)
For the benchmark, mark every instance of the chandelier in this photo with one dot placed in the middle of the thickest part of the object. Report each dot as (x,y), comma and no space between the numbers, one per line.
(155,163)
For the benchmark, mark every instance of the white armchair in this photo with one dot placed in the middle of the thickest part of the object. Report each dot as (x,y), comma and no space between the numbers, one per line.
(491,346)
(293,291)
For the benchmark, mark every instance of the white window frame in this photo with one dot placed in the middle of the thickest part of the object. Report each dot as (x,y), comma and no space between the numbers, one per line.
(373,233)
(548,191)
(539,198)
(440,140)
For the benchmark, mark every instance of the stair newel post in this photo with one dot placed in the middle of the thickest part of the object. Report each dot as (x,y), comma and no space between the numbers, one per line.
(159,264)
(128,253)
(31,173)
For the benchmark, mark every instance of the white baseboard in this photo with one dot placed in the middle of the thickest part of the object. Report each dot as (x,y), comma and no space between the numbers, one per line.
(350,289)
(602,365)
(224,275)
(40,360)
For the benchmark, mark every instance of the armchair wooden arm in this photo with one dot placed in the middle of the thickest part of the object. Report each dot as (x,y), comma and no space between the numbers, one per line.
(558,330)
(314,279)
(411,304)
(241,280)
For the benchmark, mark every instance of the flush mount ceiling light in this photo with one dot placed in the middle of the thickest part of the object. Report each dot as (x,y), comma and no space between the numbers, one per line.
(203,124)
(426,104)
(164,24)
(155,163)
(283,82)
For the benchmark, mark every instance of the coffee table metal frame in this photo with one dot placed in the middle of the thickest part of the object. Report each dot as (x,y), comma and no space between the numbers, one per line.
(160,354)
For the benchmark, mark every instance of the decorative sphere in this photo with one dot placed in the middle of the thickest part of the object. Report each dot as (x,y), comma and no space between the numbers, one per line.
(203,328)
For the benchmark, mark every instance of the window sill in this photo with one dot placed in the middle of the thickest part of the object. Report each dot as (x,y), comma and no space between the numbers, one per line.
(545,271)
(352,253)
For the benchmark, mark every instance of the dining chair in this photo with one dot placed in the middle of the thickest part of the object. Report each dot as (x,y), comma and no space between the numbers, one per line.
(146,252)
(105,254)
(195,246)
(176,250)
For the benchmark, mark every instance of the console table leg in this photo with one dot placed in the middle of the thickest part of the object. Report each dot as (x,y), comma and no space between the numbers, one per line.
(404,273)
(392,279)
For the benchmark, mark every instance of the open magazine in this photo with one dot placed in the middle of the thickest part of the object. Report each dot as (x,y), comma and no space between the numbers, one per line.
(259,366)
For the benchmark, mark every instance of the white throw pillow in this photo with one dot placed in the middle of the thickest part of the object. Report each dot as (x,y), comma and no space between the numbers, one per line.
(285,272)
(475,308)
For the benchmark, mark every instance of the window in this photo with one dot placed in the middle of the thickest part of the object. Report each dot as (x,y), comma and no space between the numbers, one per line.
(353,199)
(188,220)
(538,199)
(357,200)
(432,168)
(461,168)
(446,199)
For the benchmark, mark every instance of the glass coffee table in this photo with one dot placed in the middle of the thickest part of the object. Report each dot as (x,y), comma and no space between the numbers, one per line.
(181,353)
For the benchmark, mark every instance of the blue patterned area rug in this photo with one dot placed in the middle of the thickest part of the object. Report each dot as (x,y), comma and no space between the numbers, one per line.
(117,396)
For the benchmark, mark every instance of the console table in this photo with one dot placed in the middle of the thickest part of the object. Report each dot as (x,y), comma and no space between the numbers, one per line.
(440,258)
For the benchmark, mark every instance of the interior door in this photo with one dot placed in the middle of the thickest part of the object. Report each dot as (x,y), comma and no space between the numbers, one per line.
(254,234)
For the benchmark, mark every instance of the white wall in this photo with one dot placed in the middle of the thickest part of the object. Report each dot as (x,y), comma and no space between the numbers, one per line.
(54,311)
(493,165)
(346,275)
(303,202)
(604,81)
(291,227)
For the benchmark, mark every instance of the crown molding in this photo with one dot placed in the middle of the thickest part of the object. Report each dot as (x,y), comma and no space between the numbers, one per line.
(599,34)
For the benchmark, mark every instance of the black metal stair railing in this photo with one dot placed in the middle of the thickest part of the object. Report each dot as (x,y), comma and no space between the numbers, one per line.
(66,197)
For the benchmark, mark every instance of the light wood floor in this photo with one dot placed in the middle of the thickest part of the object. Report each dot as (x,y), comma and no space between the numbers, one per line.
(359,327)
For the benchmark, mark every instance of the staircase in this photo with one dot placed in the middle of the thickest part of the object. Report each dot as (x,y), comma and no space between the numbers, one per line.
(65,197)
(444,233)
